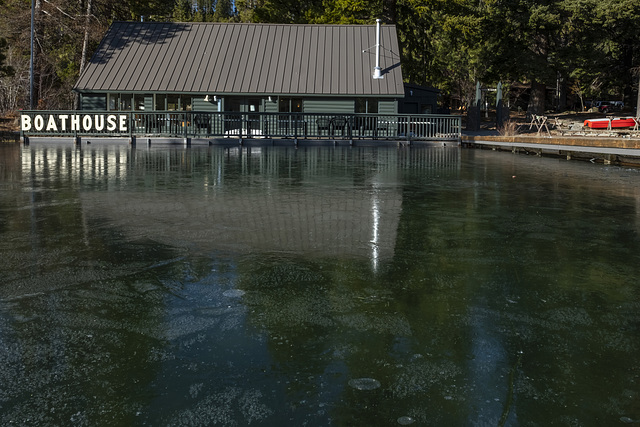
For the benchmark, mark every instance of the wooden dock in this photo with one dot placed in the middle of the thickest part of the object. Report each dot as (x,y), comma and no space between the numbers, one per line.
(607,150)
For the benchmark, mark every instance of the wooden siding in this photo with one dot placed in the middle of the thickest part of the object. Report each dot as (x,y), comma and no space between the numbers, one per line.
(270,107)
(148,103)
(199,104)
(328,105)
(387,106)
(225,58)
(94,102)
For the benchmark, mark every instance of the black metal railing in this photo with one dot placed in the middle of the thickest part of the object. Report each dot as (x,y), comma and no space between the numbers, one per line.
(196,124)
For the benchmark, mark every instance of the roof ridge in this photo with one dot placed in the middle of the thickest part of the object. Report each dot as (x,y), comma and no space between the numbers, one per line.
(251,23)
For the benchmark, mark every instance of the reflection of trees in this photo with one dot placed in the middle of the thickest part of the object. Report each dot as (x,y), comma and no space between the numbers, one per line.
(506,283)
(503,295)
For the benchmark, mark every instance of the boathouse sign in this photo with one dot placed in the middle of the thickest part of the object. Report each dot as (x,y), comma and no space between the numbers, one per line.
(74,123)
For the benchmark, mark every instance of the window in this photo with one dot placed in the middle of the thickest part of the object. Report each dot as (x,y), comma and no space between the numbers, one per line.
(125,102)
(290,105)
(160,102)
(173,102)
(366,105)
(372,106)
(119,101)
(113,102)
(138,102)
(185,102)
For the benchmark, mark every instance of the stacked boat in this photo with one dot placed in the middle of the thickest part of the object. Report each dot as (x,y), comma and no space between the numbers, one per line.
(610,123)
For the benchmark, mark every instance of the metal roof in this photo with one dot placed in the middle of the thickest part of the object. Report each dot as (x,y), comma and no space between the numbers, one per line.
(225,58)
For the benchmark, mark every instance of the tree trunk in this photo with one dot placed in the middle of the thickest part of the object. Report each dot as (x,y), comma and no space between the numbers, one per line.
(562,93)
(638,99)
(536,99)
(35,83)
(85,44)
(37,61)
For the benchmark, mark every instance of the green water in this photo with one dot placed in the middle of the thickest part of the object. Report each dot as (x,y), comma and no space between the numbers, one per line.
(316,286)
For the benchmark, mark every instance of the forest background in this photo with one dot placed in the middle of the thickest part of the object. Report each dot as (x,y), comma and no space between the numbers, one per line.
(572,49)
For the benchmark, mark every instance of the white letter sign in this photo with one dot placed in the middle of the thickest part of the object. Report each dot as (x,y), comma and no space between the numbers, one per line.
(26,123)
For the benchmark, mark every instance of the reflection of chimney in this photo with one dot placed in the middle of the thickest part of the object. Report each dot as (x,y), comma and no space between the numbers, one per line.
(377,72)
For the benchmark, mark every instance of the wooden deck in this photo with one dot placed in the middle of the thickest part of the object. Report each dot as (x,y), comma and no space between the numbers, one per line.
(240,125)
(608,150)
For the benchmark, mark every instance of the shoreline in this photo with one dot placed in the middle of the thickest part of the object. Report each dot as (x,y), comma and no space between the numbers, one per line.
(622,150)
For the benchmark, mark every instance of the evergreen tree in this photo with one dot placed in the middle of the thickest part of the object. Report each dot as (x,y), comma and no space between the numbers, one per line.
(223,11)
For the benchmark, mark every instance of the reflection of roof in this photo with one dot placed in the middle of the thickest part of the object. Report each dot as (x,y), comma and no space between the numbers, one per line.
(361,224)
(224,58)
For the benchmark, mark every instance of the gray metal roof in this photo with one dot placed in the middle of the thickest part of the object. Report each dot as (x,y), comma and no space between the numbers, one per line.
(224,58)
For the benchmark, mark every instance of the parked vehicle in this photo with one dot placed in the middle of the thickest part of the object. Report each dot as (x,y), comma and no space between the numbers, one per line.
(603,106)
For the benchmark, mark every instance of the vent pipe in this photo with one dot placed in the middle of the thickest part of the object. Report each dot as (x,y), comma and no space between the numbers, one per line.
(377,72)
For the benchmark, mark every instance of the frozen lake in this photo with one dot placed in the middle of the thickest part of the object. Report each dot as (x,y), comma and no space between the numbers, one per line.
(316,286)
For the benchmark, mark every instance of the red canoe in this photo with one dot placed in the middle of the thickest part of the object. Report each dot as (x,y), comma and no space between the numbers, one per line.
(627,122)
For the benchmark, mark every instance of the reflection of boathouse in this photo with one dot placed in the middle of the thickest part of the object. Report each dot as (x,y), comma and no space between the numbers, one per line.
(289,211)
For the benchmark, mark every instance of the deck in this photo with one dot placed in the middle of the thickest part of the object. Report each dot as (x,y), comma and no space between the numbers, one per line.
(234,127)
(608,150)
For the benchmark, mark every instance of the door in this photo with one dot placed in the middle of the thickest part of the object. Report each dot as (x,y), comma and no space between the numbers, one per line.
(253,107)
(233,122)
(249,121)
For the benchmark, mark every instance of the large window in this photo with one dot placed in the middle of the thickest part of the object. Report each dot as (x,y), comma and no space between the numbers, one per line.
(173,102)
(125,102)
(120,101)
(290,105)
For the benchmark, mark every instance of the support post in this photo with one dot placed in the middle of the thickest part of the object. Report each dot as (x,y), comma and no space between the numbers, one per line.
(499,111)
(473,113)
(638,101)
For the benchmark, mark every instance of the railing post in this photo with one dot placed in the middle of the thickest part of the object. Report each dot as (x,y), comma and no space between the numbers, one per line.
(76,138)
(132,138)
(185,123)
(23,139)
(294,123)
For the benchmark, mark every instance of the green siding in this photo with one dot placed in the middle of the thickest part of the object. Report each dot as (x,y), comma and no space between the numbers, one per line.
(387,106)
(328,105)
(270,107)
(94,102)
(148,103)
(199,104)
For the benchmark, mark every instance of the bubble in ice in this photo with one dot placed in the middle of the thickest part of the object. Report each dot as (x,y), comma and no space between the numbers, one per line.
(406,420)
(364,383)
(233,293)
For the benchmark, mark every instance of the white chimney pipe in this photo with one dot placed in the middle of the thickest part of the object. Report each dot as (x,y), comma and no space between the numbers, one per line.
(377,72)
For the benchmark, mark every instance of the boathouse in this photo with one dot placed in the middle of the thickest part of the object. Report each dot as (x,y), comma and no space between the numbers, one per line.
(209,82)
